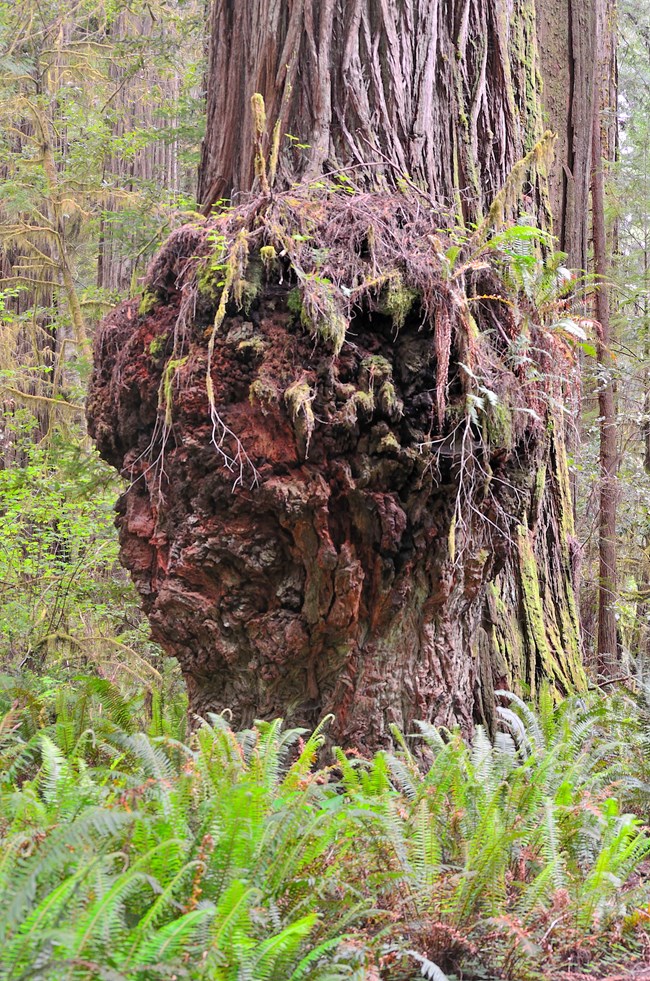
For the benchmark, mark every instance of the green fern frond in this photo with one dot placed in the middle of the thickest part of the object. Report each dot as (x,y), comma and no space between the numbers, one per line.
(175,939)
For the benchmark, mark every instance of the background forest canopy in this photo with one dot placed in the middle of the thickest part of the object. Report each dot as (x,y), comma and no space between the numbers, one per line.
(102,117)
(521,853)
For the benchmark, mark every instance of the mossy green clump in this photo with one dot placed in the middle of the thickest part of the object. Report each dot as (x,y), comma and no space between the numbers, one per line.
(378,374)
(398,300)
(377,367)
(294,301)
(253,347)
(359,403)
(388,402)
(332,330)
(172,368)
(318,303)
(497,422)
(158,346)
(364,401)
(389,444)
(148,303)
(263,391)
(298,399)
(249,289)
(269,256)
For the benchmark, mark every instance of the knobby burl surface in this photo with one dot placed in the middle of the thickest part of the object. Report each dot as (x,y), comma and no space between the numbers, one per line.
(325,572)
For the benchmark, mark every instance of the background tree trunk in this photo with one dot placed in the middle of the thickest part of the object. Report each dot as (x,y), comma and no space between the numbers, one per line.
(604,142)
(567,46)
(360,576)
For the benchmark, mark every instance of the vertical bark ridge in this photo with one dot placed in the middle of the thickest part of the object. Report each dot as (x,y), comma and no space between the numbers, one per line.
(567,42)
(446,92)
(603,144)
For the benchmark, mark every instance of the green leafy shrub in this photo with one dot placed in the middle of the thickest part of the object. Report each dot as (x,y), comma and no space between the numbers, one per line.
(63,595)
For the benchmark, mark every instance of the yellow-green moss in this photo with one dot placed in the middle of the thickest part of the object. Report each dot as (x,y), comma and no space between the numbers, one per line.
(165,394)
(319,308)
(498,426)
(388,444)
(298,399)
(558,451)
(509,642)
(211,270)
(294,301)
(451,539)
(398,301)
(569,625)
(254,346)
(249,289)
(332,329)
(364,401)
(388,401)
(538,495)
(377,368)
(553,649)
(148,303)
(157,346)
(377,373)
(533,611)
(359,402)
(263,391)
(268,255)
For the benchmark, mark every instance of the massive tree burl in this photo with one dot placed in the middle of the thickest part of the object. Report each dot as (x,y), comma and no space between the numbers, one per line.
(372,517)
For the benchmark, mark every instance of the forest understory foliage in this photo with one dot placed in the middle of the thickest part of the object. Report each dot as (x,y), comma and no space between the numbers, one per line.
(132,851)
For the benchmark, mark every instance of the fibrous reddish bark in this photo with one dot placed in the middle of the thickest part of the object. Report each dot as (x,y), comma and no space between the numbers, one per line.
(567,45)
(445,92)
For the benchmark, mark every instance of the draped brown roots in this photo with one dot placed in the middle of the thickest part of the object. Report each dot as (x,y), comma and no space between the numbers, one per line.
(350,495)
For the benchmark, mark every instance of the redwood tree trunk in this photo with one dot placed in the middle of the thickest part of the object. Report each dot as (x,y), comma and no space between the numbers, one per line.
(446,92)
(360,572)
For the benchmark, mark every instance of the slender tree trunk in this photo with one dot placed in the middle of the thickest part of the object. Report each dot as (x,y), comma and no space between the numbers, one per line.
(79,329)
(602,150)
(645,426)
